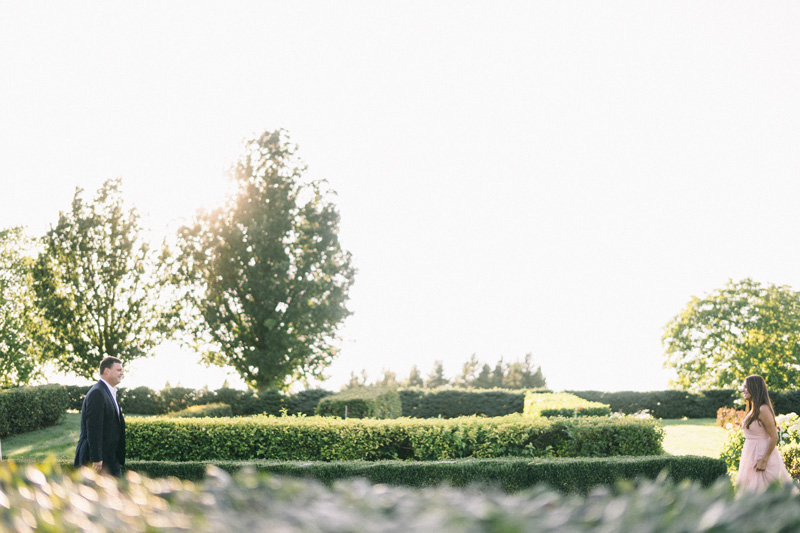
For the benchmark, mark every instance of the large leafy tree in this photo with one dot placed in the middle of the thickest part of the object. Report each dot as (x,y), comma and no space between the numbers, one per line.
(268,279)
(20,356)
(97,284)
(744,328)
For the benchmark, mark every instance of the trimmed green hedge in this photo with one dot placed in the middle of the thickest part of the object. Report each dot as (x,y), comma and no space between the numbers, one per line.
(216,410)
(24,409)
(510,473)
(369,402)
(305,402)
(667,403)
(562,404)
(146,401)
(76,394)
(329,439)
(453,403)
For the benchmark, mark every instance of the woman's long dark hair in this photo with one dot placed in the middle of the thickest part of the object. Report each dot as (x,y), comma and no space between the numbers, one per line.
(759,395)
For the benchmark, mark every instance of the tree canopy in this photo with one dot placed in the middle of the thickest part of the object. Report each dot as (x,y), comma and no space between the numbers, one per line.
(744,328)
(96,284)
(266,278)
(20,356)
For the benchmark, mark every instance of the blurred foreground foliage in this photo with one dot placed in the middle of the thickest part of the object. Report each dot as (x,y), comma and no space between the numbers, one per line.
(46,498)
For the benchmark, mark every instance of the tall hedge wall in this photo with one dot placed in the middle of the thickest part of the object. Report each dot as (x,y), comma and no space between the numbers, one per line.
(452,403)
(146,401)
(666,403)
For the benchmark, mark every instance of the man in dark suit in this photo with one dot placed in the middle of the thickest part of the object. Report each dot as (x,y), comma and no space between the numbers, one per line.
(102,440)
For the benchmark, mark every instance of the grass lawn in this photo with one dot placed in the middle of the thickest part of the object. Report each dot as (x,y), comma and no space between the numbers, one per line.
(699,436)
(696,436)
(59,440)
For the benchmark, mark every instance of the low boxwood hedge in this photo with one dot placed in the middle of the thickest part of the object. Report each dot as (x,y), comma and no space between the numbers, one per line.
(330,439)
(24,409)
(510,473)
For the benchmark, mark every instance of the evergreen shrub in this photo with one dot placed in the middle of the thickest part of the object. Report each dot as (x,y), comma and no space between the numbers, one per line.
(367,402)
(451,403)
(267,402)
(214,410)
(24,409)
(175,399)
(305,402)
(512,474)
(787,401)
(76,393)
(665,404)
(140,401)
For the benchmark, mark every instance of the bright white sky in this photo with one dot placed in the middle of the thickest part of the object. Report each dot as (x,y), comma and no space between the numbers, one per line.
(548,177)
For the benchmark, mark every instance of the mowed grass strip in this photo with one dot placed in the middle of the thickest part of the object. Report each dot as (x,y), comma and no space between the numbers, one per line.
(695,436)
(59,440)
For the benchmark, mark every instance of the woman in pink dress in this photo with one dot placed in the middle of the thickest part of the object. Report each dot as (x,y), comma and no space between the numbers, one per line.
(761,464)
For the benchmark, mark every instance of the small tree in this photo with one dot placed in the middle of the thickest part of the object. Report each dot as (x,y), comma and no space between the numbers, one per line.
(389,379)
(531,376)
(97,285)
(20,323)
(498,377)
(265,276)
(484,379)
(415,378)
(468,372)
(356,381)
(436,377)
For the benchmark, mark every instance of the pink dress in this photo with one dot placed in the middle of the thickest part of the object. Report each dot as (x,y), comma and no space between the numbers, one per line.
(756,441)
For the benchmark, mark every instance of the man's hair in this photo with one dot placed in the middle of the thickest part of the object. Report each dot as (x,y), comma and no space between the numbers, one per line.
(108,362)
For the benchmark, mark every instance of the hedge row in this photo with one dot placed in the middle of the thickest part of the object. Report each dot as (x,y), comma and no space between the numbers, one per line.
(453,403)
(665,404)
(509,473)
(415,402)
(146,401)
(330,439)
(368,402)
(433,403)
(215,410)
(253,502)
(562,404)
(24,409)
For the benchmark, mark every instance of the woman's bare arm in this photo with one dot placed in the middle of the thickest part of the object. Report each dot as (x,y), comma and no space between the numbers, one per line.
(767,419)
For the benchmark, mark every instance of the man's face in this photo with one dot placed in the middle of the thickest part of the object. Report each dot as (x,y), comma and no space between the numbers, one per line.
(113,374)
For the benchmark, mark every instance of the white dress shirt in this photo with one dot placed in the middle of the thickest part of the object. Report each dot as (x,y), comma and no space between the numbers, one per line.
(113,393)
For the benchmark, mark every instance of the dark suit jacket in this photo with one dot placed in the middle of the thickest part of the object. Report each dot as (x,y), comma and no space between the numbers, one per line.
(102,435)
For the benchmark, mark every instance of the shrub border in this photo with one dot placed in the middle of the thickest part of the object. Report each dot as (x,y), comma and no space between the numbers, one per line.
(571,475)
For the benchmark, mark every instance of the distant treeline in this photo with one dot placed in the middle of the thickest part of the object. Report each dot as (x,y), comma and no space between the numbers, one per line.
(474,374)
